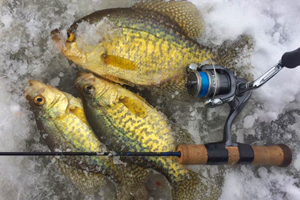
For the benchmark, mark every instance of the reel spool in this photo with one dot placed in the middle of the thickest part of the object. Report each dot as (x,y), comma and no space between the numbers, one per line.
(215,83)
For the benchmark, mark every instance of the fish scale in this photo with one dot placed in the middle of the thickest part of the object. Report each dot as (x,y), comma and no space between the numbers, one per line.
(149,133)
(137,56)
(72,125)
(63,122)
(157,146)
(157,50)
(154,44)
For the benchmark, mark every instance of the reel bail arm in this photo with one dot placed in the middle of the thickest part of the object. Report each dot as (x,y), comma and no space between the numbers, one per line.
(289,60)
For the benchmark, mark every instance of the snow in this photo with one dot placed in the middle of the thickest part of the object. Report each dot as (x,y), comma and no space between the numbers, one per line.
(89,35)
(293,192)
(248,122)
(55,81)
(271,117)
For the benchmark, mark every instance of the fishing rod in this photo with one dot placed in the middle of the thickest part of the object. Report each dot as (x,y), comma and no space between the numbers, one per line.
(187,154)
(219,86)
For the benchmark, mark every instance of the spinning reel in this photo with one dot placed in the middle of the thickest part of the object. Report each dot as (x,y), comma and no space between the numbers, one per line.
(219,86)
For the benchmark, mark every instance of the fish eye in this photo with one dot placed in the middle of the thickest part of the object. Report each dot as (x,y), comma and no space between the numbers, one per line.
(88,89)
(39,100)
(70,36)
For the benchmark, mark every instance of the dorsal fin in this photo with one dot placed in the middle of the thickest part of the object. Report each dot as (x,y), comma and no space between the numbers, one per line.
(183,13)
(230,53)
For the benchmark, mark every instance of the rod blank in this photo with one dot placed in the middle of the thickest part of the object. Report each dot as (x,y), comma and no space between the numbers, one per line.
(90,154)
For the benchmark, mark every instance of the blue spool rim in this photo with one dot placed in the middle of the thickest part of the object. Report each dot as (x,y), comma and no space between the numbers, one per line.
(204,85)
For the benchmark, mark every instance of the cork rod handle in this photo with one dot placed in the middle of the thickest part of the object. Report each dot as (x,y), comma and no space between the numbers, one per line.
(276,155)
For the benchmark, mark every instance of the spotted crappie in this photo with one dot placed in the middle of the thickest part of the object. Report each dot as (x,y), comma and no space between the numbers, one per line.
(63,125)
(126,122)
(149,45)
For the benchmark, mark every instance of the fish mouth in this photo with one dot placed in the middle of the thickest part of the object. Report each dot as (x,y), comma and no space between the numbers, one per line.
(59,39)
(55,35)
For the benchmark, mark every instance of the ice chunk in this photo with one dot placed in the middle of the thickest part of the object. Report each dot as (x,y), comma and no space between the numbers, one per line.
(55,81)
(117,161)
(249,121)
(90,35)
(296,162)
(15,108)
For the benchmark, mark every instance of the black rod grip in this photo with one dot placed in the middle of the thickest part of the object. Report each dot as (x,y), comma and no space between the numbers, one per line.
(291,59)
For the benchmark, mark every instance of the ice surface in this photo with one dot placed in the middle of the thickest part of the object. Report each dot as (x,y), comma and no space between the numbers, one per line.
(27,52)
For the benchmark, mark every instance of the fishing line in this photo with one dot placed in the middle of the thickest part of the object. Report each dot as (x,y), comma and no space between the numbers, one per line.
(215,81)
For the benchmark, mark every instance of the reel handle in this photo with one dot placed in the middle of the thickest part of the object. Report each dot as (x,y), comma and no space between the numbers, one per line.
(217,153)
(291,59)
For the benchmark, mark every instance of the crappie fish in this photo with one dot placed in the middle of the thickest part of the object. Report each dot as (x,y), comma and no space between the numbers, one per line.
(149,45)
(63,125)
(126,122)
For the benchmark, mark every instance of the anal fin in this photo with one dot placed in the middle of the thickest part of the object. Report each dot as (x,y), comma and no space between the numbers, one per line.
(85,182)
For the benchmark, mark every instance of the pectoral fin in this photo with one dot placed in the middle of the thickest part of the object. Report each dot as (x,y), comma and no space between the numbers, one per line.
(119,62)
(76,107)
(135,106)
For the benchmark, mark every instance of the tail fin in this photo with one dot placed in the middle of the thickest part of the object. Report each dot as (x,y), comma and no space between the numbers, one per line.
(189,189)
(235,55)
(129,193)
(133,183)
(195,188)
(86,182)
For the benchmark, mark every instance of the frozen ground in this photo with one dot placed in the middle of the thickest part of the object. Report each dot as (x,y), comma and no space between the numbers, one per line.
(272,116)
